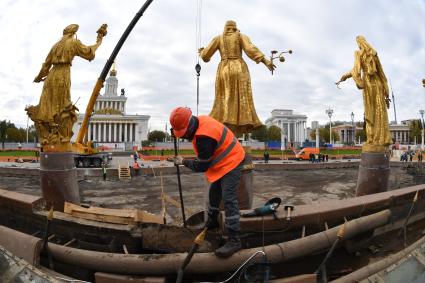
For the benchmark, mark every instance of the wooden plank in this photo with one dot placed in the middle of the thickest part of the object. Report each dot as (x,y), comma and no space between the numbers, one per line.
(101,277)
(304,278)
(109,215)
(23,201)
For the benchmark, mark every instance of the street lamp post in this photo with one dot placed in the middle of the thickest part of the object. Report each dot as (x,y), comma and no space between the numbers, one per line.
(353,137)
(330,111)
(422,123)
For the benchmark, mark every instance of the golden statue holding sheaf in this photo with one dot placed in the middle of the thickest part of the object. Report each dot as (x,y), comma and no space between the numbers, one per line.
(55,114)
(369,76)
(233,104)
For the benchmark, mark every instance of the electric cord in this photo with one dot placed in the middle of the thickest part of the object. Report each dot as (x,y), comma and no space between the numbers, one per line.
(242,267)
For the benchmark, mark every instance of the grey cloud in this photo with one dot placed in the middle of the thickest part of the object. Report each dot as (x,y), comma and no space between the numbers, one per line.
(156,63)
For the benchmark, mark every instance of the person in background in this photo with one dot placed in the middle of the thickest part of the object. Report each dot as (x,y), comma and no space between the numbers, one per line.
(266,157)
(136,165)
(104,171)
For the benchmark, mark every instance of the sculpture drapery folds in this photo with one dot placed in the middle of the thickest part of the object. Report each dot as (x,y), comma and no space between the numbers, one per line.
(55,114)
(369,76)
(233,104)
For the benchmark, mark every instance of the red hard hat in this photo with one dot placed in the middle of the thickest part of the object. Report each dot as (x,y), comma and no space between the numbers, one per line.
(179,120)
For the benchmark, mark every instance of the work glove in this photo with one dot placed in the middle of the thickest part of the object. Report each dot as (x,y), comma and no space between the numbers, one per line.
(178,160)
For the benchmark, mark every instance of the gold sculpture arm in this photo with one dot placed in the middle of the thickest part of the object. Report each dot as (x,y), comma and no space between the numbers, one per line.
(345,76)
(101,32)
(45,68)
(251,50)
(269,64)
(254,53)
(207,52)
(88,52)
(355,73)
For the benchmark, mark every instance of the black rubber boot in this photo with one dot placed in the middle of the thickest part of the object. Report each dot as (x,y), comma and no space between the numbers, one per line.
(232,245)
(212,221)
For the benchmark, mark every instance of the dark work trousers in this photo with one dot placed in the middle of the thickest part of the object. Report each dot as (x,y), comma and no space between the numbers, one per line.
(226,188)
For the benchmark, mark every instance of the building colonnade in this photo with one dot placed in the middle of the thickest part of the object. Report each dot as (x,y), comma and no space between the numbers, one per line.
(116,105)
(294,131)
(112,131)
(400,136)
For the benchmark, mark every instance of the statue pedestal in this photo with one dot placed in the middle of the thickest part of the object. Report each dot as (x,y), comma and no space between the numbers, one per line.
(374,172)
(58,177)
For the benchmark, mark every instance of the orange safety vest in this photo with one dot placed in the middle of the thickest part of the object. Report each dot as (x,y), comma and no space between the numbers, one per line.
(229,152)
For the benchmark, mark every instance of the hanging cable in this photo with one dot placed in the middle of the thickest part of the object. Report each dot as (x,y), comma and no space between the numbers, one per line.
(198,45)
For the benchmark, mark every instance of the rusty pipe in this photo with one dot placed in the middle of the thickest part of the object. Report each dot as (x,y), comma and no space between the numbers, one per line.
(333,210)
(373,268)
(155,264)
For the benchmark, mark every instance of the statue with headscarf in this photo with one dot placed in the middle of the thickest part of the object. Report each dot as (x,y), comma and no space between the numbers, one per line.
(55,114)
(369,76)
(233,104)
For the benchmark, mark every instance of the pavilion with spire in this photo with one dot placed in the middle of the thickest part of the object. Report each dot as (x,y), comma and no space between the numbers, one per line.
(110,125)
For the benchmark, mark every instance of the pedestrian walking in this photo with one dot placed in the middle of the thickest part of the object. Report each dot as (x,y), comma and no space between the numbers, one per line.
(104,171)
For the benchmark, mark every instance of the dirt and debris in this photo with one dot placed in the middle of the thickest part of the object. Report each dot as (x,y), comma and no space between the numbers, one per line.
(144,192)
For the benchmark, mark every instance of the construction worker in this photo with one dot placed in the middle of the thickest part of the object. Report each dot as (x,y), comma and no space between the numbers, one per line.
(220,156)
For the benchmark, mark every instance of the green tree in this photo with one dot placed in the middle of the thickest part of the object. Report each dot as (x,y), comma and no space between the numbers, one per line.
(146,143)
(156,136)
(415,129)
(361,134)
(260,134)
(273,133)
(4,126)
(13,134)
(324,134)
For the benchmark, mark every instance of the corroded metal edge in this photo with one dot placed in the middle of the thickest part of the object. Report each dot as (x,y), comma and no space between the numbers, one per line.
(14,269)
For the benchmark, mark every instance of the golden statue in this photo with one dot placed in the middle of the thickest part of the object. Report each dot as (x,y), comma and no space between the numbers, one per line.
(369,76)
(233,104)
(55,114)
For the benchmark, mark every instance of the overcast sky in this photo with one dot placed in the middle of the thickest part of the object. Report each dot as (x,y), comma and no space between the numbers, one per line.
(156,63)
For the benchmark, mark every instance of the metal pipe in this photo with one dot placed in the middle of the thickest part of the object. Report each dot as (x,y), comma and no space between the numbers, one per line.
(99,84)
(334,210)
(155,264)
(375,267)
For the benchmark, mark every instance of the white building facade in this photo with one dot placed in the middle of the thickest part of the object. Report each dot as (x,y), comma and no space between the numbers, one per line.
(293,126)
(110,126)
(400,133)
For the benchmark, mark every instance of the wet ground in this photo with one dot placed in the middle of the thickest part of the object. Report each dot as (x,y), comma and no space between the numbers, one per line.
(144,192)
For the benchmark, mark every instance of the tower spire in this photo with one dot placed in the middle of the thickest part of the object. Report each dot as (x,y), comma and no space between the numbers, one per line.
(113,70)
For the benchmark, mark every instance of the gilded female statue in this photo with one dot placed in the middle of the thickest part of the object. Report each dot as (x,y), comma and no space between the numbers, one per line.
(233,104)
(369,76)
(55,114)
